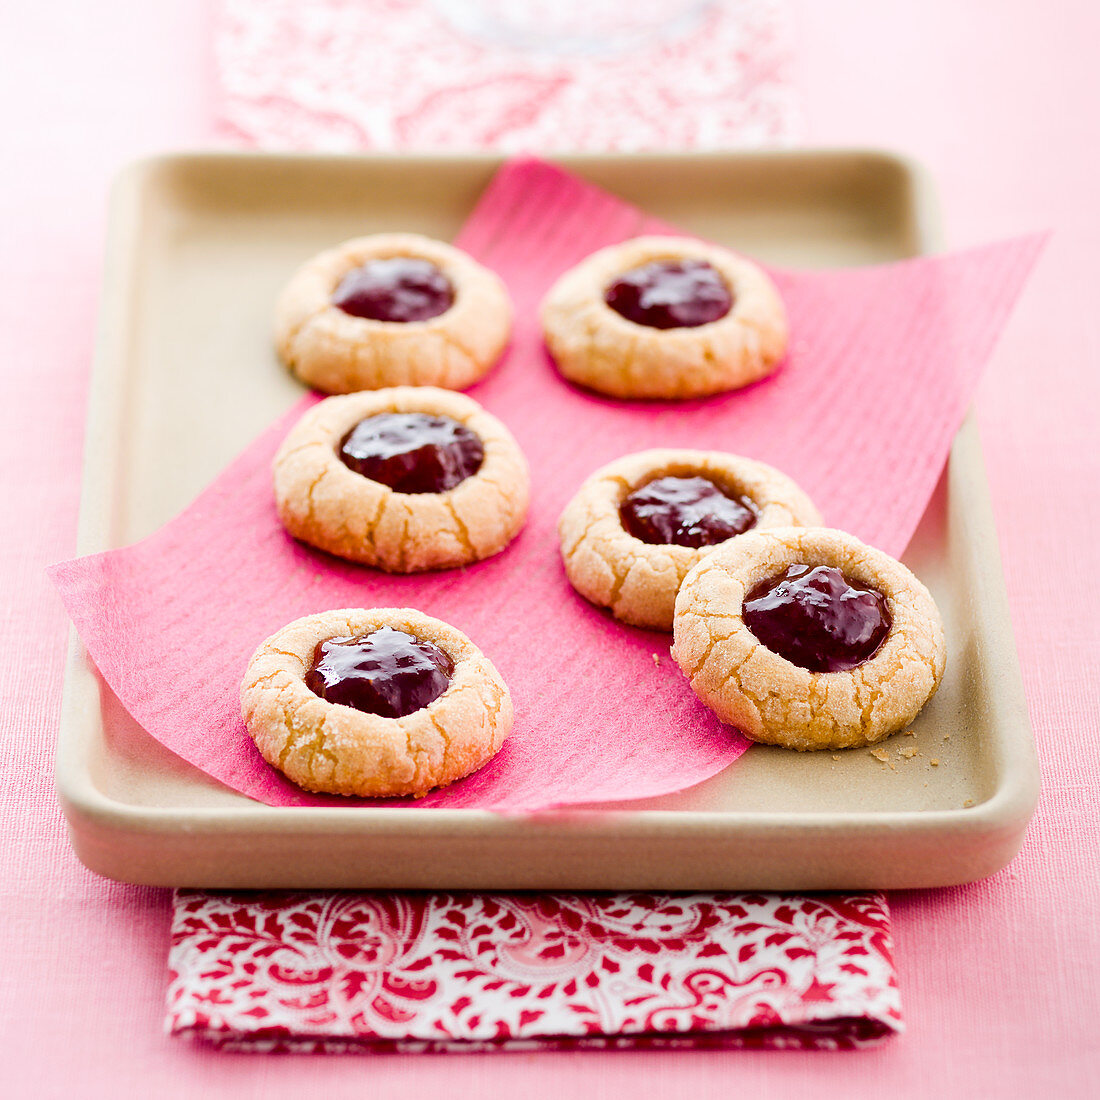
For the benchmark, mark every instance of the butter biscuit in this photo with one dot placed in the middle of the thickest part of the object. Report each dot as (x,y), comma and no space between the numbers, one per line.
(664,317)
(337,748)
(403,479)
(637,578)
(395,309)
(807,638)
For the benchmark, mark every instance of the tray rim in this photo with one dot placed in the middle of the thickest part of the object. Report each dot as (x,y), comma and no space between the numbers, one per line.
(1005,813)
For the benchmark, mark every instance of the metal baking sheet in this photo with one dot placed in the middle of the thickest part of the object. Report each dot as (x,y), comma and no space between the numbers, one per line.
(198,249)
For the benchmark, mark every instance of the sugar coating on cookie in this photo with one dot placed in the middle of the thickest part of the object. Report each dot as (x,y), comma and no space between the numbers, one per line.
(324,502)
(338,352)
(336,749)
(597,347)
(637,580)
(773,700)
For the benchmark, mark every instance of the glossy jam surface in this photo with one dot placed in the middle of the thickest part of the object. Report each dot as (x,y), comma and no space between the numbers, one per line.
(412,452)
(670,294)
(388,672)
(686,511)
(817,618)
(398,289)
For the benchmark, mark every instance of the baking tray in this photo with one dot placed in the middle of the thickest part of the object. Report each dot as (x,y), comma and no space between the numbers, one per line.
(185,377)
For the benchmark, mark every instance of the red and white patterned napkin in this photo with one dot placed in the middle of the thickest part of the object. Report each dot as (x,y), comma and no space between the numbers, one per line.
(365,972)
(507,75)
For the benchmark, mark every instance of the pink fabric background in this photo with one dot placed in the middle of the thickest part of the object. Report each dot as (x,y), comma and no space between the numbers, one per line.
(1001,977)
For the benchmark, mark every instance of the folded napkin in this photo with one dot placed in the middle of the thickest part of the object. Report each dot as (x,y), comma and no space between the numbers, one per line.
(462,74)
(364,972)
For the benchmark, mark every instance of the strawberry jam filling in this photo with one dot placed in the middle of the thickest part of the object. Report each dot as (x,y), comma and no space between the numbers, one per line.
(817,618)
(387,672)
(399,289)
(686,511)
(412,452)
(670,294)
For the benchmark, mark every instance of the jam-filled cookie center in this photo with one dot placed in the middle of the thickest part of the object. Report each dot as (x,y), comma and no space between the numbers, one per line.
(388,672)
(817,618)
(412,452)
(686,511)
(670,294)
(399,289)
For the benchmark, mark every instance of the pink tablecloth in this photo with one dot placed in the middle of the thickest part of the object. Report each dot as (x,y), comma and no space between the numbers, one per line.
(1001,978)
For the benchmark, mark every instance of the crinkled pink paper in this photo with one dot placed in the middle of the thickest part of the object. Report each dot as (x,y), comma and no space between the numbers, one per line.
(362,972)
(882,364)
(476,74)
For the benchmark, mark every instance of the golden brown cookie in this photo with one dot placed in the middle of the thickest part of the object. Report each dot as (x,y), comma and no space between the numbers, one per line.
(339,352)
(599,348)
(336,748)
(637,579)
(327,503)
(773,700)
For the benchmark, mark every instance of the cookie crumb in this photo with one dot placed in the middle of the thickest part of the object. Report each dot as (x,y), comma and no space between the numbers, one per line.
(910,733)
(947,737)
(968,803)
(935,761)
(836,756)
(656,660)
(883,756)
(909,753)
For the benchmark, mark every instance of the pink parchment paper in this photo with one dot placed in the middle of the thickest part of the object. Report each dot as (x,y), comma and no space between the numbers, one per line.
(882,364)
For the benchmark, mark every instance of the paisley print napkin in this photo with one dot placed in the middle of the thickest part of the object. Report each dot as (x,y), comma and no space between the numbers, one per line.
(365,972)
(478,74)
